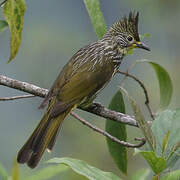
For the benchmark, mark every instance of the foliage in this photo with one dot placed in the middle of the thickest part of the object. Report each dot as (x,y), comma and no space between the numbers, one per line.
(118,130)
(15,170)
(142,174)
(158,164)
(3,25)
(84,169)
(165,85)
(61,165)
(3,172)
(46,173)
(167,131)
(95,14)
(142,123)
(163,137)
(14,13)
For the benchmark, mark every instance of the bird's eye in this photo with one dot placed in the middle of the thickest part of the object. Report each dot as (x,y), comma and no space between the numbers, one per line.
(129,38)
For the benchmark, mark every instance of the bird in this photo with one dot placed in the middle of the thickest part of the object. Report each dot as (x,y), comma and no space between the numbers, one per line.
(78,83)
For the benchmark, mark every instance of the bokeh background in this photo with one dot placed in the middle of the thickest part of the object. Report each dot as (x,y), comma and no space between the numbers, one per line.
(53,31)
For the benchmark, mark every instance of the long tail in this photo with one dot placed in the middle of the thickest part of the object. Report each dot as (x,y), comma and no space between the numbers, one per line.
(43,137)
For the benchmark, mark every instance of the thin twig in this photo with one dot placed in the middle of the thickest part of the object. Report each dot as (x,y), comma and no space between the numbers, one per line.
(2,3)
(144,89)
(16,97)
(94,108)
(104,133)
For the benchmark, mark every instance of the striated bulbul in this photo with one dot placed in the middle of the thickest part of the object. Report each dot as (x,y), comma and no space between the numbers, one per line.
(81,79)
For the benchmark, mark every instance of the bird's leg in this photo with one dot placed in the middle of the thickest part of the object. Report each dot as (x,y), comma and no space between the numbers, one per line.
(93,106)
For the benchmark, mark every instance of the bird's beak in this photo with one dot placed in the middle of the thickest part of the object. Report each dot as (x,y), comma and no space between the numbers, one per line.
(142,46)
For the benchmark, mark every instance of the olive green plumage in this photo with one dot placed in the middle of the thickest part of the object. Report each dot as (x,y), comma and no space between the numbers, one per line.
(78,83)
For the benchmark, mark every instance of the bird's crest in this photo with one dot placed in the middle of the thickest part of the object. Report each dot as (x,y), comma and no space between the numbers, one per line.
(127,25)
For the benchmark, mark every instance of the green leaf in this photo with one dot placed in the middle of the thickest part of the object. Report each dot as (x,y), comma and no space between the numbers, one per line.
(174,175)
(15,170)
(3,173)
(118,130)
(165,141)
(84,169)
(155,177)
(142,123)
(146,35)
(174,155)
(165,85)
(96,16)
(14,13)
(3,25)
(168,121)
(158,164)
(47,172)
(142,174)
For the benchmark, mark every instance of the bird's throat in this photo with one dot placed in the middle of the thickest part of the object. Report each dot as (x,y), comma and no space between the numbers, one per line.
(122,51)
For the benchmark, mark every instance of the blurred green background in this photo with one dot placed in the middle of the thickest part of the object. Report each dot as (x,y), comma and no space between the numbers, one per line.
(53,31)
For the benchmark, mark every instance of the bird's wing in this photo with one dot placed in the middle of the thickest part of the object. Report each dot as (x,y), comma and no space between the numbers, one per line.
(78,80)
(82,86)
(65,75)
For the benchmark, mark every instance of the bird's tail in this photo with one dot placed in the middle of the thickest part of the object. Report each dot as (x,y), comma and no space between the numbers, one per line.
(43,137)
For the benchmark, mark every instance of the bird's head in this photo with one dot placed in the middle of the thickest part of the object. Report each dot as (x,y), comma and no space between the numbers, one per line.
(125,34)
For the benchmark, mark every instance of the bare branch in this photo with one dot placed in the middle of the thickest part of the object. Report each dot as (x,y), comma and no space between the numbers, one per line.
(16,97)
(144,89)
(23,86)
(104,133)
(98,109)
(94,108)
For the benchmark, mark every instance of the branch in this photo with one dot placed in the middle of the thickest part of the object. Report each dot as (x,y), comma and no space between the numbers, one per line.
(104,133)
(2,3)
(15,97)
(23,86)
(144,89)
(94,108)
(100,110)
